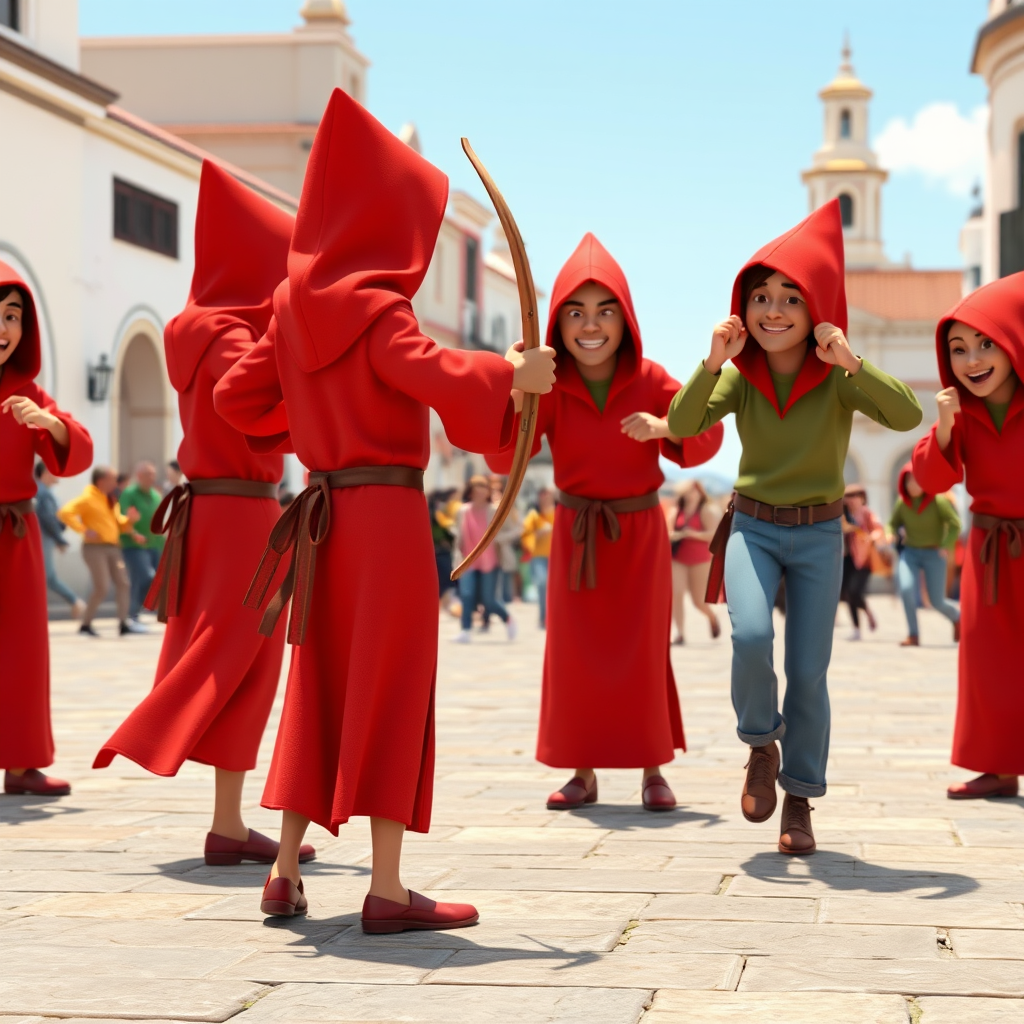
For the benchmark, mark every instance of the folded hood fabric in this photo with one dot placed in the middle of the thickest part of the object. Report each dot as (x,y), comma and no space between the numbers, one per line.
(241,256)
(901,485)
(26,360)
(812,256)
(368,220)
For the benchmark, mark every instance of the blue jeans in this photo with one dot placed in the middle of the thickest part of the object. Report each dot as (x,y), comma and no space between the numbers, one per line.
(53,581)
(141,563)
(476,587)
(914,561)
(539,575)
(812,558)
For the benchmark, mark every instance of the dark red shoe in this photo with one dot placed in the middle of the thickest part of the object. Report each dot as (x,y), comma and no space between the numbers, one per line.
(983,786)
(956,632)
(34,783)
(572,795)
(283,898)
(381,916)
(258,848)
(657,796)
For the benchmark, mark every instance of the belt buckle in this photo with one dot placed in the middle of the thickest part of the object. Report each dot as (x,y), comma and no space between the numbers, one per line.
(785,508)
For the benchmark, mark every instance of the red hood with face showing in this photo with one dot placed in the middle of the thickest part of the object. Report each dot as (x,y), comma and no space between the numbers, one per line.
(368,220)
(241,256)
(593,262)
(901,485)
(24,364)
(812,256)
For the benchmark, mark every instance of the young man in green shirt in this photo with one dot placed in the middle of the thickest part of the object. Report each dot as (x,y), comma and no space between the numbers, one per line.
(141,556)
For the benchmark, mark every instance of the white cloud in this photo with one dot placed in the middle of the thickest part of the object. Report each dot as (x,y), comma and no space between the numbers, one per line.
(943,145)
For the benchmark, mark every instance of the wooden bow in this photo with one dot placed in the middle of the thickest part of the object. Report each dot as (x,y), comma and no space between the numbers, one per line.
(531,339)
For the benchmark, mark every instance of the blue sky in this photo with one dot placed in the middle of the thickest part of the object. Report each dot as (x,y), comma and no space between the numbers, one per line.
(674,130)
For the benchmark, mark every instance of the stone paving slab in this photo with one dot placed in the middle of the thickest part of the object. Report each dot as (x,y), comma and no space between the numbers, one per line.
(598,880)
(684,1007)
(967,911)
(958,1010)
(669,906)
(981,944)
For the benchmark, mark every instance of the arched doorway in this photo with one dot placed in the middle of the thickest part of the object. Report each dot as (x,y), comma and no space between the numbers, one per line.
(142,410)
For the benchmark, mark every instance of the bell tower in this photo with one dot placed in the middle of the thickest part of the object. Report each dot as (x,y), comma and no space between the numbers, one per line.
(846,167)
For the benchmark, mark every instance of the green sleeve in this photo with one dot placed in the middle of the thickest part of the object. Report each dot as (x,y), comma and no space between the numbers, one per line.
(896,519)
(705,399)
(885,399)
(950,520)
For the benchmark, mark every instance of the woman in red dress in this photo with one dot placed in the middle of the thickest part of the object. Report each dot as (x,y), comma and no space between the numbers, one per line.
(346,377)
(690,533)
(31,425)
(609,696)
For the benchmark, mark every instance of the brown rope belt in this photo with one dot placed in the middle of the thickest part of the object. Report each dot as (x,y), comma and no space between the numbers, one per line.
(16,512)
(304,527)
(171,517)
(589,511)
(993,527)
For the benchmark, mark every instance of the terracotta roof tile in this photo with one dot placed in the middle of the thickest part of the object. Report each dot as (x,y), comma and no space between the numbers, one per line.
(903,294)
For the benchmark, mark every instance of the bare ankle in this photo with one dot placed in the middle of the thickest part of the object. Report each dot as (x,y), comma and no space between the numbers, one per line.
(586,774)
(390,890)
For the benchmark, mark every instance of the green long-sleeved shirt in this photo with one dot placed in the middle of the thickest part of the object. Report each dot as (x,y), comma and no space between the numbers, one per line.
(938,526)
(133,496)
(796,459)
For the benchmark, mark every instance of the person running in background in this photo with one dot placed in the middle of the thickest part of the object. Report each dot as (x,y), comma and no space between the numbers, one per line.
(690,533)
(174,475)
(538,527)
(141,559)
(52,530)
(862,530)
(441,530)
(930,528)
(97,516)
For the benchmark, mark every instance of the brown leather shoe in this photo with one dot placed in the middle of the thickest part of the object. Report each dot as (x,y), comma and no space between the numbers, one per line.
(572,795)
(956,632)
(983,786)
(657,794)
(911,641)
(797,836)
(759,797)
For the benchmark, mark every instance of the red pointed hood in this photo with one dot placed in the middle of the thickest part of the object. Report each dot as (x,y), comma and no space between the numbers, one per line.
(26,360)
(812,256)
(593,262)
(241,256)
(368,219)
(901,485)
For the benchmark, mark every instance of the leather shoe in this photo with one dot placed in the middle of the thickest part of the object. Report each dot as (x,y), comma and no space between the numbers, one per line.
(573,794)
(797,836)
(34,783)
(382,916)
(956,632)
(283,898)
(911,641)
(657,796)
(259,848)
(983,786)
(759,797)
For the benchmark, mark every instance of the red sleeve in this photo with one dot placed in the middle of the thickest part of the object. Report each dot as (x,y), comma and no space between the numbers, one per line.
(469,390)
(690,451)
(77,456)
(227,348)
(501,461)
(248,396)
(937,470)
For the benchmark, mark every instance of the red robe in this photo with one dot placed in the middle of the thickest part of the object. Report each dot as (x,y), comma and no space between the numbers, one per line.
(609,696)
(990,702)
(26,739)
(345,376)
(217,676)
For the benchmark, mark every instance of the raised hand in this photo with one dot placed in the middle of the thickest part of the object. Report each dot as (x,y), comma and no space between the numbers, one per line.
(833,348)
(948,401)
(727,341)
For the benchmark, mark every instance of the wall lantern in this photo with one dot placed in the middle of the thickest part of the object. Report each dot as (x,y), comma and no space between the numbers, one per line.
(100,376)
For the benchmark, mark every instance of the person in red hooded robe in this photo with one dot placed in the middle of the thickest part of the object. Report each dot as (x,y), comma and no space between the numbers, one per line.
(794,391)
(31,425)
(217,676)
(345,376)
(609,704)
(979,438)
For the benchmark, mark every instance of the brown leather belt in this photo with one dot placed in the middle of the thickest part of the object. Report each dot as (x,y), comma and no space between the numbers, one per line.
(993,527)
(171,517)
(304,527)
(16,512)
(584,529)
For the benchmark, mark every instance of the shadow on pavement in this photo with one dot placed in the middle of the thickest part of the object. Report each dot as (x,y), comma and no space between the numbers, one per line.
(626,818)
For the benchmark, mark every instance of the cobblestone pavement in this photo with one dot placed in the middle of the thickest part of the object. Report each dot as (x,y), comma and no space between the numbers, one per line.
(911,911)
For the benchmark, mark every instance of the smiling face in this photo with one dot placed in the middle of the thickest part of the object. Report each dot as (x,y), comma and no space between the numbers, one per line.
(980,364)
(592,326)
(777,315)
(12,314)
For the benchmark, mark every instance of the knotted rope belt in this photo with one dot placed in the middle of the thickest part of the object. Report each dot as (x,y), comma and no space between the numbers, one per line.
(16,512)
(993,527)
(304,527)
(589,511)
(171,517)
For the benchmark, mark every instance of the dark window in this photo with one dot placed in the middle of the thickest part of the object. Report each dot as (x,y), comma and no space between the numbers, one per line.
(472,253)
(844,124)
(846,209)
(10,11)
(144,219)
(1011,242)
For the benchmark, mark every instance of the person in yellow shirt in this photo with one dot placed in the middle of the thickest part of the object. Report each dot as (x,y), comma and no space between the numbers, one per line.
(97,516)
(537,527)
